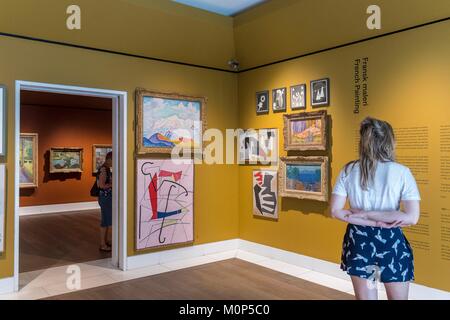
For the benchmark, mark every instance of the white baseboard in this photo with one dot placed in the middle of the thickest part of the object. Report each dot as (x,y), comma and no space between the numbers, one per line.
(257,252)
(154,258)
(56,208)
(6,285)
(314,264)
(417,291)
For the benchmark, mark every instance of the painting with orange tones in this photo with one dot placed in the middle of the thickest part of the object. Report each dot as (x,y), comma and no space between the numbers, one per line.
(306,131)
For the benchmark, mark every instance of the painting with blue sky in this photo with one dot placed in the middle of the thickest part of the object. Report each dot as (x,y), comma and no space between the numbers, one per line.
(167,123)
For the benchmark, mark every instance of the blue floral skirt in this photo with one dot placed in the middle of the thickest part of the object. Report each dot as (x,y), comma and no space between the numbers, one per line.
(377,254)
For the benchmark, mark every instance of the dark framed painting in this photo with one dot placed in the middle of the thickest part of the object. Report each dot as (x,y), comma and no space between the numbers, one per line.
(262,102)
(265,193)
(66,160)
(320,93)
(298,97)
(304,178)
(306,131)
(279,99)
(167,120)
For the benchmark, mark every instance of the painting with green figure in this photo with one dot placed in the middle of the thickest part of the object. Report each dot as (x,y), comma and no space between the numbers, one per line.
(66,160)
(28,160)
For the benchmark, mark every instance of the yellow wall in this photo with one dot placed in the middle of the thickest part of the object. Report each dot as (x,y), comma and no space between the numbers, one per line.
(215,214)
(281,29)
(157,28)
(409,78)
(409,74)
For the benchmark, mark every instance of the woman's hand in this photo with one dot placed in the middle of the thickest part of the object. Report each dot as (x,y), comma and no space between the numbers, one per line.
(357,213)
(390,219)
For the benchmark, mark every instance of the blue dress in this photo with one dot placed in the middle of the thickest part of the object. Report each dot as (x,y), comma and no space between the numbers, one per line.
(105,201)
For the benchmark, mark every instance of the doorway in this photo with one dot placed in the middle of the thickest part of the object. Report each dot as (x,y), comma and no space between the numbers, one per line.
(117,101)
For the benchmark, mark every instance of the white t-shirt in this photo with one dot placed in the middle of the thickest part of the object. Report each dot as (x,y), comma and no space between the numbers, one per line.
(392,183)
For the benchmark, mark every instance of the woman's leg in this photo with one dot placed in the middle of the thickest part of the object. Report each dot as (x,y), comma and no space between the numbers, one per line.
(103,233)
(397,290)
(108,236)
(364,289)
(103,225)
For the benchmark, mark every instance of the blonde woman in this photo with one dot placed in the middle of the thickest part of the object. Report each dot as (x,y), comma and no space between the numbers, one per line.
(374,246)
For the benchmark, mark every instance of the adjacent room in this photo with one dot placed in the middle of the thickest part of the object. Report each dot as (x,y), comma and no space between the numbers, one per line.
(63,143)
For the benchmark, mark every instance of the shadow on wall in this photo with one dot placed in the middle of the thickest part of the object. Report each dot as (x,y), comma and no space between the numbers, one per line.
(27,192)
(57,176)
(305,206)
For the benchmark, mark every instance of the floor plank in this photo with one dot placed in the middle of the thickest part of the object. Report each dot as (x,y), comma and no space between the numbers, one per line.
(224,280)
(53,240)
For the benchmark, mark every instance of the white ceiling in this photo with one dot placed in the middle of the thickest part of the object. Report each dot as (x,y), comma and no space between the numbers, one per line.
(223,7)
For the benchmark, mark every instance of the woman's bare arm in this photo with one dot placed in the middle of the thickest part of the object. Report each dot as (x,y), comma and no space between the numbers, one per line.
(338,212)
(409,216)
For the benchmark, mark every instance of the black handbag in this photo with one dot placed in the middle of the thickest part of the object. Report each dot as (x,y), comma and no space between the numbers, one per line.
(95,191)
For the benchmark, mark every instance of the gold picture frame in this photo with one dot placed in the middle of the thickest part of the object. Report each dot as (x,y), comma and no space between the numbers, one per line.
(158,142)
(94,155)
(306,184)
(65,164)
(33,171)
(311,131)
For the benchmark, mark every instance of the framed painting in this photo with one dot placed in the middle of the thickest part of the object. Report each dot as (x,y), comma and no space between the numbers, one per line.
(166,121)
(99,152)
(2,205)
(262,102)
(320,93)
(306,131)
(279,99)
(258,146)
(28,160)
(66,160)
(298,97)
(164,202)
(304,178)
(265,193)
(3,130)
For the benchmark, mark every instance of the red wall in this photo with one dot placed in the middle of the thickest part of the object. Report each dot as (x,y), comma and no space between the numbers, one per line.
(64,127)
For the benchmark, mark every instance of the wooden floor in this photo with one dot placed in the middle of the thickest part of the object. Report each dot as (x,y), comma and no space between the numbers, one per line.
(224,280)
(59,239)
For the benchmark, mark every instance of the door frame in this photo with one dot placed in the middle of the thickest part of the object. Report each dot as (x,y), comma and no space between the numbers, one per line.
(119,124)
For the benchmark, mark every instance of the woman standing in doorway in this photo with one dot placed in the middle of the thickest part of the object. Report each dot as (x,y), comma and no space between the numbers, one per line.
(374,246)
(104,183)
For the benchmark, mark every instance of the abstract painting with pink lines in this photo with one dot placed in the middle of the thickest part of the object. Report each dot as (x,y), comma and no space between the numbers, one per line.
(165,203)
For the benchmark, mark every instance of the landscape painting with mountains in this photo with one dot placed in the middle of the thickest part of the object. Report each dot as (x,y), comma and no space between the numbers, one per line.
(169,122)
